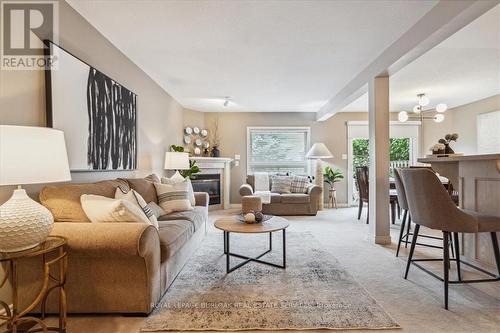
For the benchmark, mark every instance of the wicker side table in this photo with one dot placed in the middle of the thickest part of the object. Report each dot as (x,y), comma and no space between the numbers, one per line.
(53,251)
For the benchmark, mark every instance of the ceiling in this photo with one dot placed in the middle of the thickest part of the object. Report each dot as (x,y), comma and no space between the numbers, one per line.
(462,69)
(267,56)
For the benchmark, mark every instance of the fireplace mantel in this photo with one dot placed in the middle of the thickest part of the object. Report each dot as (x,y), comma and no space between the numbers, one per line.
(221,165)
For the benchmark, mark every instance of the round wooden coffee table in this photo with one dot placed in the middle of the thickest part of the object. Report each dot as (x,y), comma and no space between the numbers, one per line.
(231,224)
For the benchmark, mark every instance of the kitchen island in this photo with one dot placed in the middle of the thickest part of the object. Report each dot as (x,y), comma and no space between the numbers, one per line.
(477,178)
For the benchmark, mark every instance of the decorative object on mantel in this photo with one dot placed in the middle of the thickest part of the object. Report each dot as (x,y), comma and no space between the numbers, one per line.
(317,152)
(189,167)
(195,138)
(188,130)
(215,138)
(332,177)
(419,112)
(29,155)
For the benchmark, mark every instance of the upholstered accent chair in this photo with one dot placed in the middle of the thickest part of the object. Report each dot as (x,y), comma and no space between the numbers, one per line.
(431,206)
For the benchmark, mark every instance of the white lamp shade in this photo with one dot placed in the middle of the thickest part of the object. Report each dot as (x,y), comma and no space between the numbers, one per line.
(318,150)
(176,161)
(32,155)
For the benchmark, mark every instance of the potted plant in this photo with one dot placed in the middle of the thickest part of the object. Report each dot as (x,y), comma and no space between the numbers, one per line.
(193,168)
(331,176)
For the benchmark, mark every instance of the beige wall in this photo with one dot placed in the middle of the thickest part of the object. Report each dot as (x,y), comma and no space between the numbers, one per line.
(233,132)
(160,117)
(461,120)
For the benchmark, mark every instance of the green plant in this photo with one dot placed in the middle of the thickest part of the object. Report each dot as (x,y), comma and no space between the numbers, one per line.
(193,168)
(331,176)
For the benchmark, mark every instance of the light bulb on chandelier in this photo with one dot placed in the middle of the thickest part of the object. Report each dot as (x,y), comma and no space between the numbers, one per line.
(438,118)
(441,107)
(403,116)
(417,108)
(423,100)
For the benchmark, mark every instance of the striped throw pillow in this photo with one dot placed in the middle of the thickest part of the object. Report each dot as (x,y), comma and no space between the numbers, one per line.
(136,199)
(173,197)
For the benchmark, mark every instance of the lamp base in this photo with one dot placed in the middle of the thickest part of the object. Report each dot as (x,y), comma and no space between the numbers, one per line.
(319,179)
(24,223)
(177,176)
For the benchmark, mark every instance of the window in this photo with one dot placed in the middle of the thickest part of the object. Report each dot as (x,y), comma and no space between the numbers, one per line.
(277,149)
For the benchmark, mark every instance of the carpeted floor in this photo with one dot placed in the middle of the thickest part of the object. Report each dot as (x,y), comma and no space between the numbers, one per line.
(315,291)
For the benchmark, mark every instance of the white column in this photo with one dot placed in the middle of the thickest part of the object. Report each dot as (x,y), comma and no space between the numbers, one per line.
(378,92)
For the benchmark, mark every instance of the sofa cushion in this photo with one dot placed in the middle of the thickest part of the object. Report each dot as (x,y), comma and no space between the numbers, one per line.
(63,201)
(197,216)
(281,184)
(295,198)
(275,198)
(173,235)
(145,187)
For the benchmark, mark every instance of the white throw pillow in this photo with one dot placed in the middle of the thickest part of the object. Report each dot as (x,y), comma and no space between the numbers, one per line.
(172,180)
(135,198)
(173,197)
(103,209)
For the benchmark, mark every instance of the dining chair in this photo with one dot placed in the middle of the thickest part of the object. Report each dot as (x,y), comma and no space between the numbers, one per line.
(363,190)
(403,203)
(431,206)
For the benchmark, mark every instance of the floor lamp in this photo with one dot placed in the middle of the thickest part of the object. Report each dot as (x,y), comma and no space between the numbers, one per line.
(317,152)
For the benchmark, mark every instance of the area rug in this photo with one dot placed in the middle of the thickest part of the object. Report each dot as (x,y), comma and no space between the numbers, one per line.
(314,292)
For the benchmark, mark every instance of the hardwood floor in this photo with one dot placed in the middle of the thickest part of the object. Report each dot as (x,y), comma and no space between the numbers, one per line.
(416,303)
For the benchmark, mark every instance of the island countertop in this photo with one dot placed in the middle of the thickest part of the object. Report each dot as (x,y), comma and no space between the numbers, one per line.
(456,158)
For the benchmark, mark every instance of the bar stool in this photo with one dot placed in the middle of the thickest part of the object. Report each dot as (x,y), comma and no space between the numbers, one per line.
(431,206)
(403,203)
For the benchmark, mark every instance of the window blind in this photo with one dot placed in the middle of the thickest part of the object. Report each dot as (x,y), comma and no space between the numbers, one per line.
(275,149)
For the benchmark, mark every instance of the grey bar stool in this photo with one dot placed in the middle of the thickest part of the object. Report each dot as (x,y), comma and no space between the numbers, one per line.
(431,206)
(403,203)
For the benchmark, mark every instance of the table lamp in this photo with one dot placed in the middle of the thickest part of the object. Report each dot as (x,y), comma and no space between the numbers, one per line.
(176,161)
(28,155)
(317,152)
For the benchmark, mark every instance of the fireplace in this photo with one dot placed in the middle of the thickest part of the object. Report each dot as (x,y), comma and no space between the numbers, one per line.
(209,183)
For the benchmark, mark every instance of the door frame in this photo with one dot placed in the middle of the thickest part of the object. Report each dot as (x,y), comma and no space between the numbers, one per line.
(359,130)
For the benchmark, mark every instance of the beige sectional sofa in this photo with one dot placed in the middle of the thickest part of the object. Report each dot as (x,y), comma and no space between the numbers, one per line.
(116,267)
(287,204)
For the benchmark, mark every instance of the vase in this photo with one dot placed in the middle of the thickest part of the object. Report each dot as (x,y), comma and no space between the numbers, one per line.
(215,152)
(448,149)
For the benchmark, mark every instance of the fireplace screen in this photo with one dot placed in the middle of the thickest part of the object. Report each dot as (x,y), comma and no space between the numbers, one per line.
(209,183)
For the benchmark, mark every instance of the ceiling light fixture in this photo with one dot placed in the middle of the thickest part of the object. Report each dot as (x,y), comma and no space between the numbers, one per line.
(419,111)
(226,101)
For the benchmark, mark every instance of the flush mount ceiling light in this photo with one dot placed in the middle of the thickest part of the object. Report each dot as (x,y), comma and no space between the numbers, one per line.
(418,110)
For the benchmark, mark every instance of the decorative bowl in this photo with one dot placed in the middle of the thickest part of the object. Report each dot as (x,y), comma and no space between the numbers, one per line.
(241,218)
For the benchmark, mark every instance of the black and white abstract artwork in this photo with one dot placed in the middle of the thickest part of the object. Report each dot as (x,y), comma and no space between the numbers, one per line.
(97,114)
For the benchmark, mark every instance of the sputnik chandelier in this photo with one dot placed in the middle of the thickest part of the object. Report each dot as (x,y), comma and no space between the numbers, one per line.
(419,112)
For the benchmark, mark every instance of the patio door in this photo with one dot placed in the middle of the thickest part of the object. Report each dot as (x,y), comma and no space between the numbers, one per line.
(403,136)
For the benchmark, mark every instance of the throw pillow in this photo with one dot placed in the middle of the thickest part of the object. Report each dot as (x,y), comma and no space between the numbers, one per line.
(173,197)
(299,184)
(171,181)
(136,199)
(157,210)
(103,209)
(281,184)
